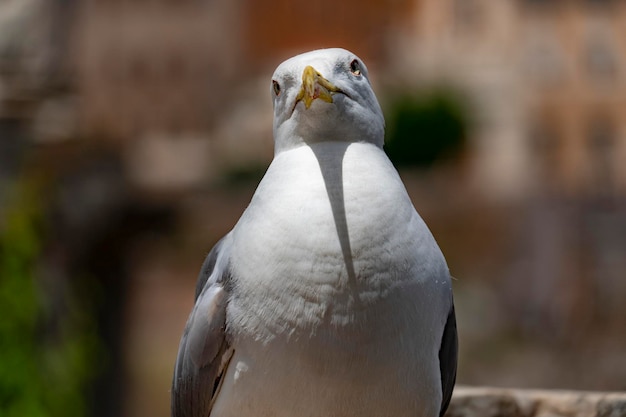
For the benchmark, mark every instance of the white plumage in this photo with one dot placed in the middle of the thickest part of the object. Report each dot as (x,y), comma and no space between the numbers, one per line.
(330,296)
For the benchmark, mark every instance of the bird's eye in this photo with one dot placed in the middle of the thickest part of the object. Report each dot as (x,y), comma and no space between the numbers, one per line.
(355,67)
(276,87)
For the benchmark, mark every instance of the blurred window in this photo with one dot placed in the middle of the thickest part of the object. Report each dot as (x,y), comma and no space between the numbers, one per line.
(600,59)
(176,67)
(546,149)
(599,2)
(541,3)
(601,144)
(467,15)
(139,70)
(543,58)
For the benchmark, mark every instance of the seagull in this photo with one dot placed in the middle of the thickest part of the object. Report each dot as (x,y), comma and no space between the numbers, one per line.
(330,296)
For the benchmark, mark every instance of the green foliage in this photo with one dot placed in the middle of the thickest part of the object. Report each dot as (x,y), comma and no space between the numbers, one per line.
(424,129)
(243,175)
(44,368)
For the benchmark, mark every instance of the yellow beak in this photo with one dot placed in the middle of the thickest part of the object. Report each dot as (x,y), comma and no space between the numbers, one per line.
(315,86)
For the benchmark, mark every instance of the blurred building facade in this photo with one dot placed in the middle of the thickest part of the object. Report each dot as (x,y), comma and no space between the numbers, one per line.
(187,80)
(548,81)
(546,78)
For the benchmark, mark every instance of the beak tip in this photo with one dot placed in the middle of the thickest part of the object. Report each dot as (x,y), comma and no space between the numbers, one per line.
(315,86)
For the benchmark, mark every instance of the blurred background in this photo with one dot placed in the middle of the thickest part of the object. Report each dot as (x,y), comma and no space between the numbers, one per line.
(133,134)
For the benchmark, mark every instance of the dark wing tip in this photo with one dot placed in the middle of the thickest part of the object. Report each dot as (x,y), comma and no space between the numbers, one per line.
(448,355)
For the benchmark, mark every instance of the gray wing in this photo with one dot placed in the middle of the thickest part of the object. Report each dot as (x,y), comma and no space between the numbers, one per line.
(204,350)
(220,250)
(448,353)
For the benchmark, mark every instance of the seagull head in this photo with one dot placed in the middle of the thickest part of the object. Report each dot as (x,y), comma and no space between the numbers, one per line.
(324,96)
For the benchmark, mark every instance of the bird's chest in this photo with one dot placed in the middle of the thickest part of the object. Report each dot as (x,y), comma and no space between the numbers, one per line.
(327,241)
(328,278)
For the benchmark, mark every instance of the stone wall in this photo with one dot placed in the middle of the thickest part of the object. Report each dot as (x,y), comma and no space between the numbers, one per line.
(498,402)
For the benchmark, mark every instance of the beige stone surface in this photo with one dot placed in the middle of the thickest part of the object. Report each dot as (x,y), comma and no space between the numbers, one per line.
(499,402)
